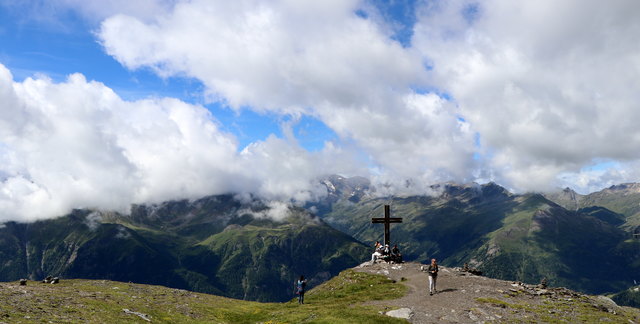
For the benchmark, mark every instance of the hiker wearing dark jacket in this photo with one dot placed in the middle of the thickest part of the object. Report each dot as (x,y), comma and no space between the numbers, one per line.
(301,284)
(432,270)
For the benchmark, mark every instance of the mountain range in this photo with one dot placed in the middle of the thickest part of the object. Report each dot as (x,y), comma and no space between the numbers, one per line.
(583,242)
(232,247)
(216,245)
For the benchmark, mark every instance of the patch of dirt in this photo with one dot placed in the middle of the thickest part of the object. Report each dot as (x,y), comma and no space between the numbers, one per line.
(466,298)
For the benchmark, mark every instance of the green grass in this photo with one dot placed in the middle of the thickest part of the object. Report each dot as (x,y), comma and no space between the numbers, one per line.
(576,310)
(101,301)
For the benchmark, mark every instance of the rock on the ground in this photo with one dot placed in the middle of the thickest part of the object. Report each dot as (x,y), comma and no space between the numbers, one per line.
(405,313)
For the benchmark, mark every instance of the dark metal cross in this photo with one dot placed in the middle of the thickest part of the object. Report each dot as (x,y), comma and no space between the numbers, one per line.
(387,220)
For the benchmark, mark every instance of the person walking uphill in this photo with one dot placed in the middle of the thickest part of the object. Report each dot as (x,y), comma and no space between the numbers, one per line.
(301,284)
(432,270)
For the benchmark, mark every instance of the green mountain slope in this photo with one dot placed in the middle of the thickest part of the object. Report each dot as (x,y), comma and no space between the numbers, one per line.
(514,237)
(623,199)
(214,245)
(628,297)
(540,239)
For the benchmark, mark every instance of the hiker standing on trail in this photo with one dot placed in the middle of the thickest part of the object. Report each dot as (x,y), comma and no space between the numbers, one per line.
(301,284)
(432,270)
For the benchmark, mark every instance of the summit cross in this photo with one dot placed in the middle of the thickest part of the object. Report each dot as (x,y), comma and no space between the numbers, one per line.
(386,220)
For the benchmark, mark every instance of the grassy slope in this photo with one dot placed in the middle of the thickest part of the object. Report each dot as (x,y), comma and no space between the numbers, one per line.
(623,199)
(539,240)
(579,309)
(86,301)
(263,259)
(628,297)
(335,301)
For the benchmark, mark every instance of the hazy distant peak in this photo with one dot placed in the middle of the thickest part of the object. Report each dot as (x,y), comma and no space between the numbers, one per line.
(631,187)
(352,188)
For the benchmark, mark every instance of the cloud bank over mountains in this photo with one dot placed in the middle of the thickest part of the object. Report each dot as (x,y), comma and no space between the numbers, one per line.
(317,59)
(77,144)
(532,95)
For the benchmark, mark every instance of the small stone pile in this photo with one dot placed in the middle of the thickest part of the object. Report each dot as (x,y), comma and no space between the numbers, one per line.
(51,280)
(606,304)
(470,270)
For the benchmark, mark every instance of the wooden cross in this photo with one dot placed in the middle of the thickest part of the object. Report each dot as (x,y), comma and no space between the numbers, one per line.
(387,220)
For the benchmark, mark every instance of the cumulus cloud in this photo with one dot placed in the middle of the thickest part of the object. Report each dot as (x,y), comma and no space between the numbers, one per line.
(549,87)
(77,144)
(276,210)
(531,95)
(313,58)
(93,220)
(595,177)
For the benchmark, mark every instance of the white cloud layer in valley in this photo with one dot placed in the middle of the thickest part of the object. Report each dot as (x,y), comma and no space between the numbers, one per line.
(533,95)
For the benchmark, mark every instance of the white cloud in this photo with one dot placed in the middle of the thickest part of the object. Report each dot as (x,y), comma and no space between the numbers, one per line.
(314,58)
(282,56)
(76,144)
(276,210)
(93,220)
(549,86)
(545,89)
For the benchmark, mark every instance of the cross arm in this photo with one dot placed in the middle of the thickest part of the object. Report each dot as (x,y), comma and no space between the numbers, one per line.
(386,220)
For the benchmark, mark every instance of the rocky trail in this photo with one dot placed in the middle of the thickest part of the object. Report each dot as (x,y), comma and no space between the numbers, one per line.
(466,298)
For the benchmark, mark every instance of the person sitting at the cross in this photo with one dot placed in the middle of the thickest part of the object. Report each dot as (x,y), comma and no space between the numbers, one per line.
(396,256)
(386,253)
(377,253)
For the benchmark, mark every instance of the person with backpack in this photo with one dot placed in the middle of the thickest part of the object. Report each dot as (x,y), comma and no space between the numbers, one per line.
(300,286)
(432,270)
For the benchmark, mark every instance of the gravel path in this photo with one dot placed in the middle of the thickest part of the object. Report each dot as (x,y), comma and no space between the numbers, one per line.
(457,298)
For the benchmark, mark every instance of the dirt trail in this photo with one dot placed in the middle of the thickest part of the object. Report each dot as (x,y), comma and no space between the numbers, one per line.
(456,299)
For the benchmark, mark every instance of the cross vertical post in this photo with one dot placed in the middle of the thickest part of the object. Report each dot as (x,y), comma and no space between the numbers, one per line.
(386,220)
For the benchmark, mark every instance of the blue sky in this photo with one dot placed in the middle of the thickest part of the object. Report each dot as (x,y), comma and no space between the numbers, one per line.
(165,99)
(67,44)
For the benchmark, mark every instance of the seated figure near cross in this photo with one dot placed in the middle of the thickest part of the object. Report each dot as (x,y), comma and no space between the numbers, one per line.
(387,254)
